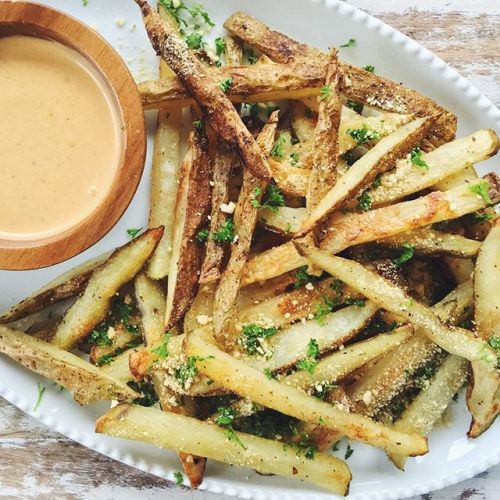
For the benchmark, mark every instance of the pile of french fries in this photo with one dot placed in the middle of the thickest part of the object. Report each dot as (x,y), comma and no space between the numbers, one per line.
(323,263)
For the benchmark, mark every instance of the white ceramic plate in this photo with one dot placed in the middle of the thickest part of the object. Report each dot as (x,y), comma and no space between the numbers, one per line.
(453,457)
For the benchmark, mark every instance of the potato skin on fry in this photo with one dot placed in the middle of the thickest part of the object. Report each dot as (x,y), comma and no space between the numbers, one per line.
(87,383)
(191,211)
(215,105)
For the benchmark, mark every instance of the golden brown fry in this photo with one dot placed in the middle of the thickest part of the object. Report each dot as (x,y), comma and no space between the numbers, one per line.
(443,163)
(248,382)
(207,91)
(424,411)
(482,400)
(245,220)
(214,252)
(191,210)
(164,174)
(202,438)
(151,304)
(68,285)
(257,83)
(361,86)
(87,383)
(389,296)
(325,144)
(377,160)
(428,241)
(92,306)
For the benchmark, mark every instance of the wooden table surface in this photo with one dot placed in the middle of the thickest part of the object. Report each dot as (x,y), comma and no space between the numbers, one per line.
(38,463)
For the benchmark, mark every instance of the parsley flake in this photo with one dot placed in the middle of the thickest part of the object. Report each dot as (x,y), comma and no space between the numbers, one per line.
(417,160)
(277,150)
(350,43)
(273,199)
(41,390)
(225,418)
(364,202)
(226,84)
(133,232)
(220,46)
(369,68)
(225,232)
(179,478)
(481,189)
(253,336)
(406,254)
(202,235)
(363,135)
(348,452)
(326,91)
(162,349)
(309,363)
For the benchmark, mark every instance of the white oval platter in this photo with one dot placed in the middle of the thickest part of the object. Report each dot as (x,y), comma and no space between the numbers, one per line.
(320,23)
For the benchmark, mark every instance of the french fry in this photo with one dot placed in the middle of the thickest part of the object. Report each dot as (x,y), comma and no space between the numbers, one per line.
(431,242)
(201,438)
(465,176)
(482,401)
(377,160)
(119,367)
(424,411)
(287,220)
(356,228)
(164,173)
(68,285)
(236,376)
(245,220)
(361,86)
(339,364)
(325,142)
(207,91)
(391,374)
(86,383)
(257,83)
(290,180)
(191,210)
(223,162)
(214,252)
(288,346)
(442,163)
(92,306)
(456,341)
(151,303)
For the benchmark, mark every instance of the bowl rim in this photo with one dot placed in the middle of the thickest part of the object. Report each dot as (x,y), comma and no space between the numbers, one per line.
(30,18)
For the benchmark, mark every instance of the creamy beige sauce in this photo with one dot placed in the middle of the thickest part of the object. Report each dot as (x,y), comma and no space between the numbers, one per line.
(60,138)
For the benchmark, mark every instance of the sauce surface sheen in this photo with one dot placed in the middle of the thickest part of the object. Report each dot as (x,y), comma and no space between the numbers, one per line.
(60,138)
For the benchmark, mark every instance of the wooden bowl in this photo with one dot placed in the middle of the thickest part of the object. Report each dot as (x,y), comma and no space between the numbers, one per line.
(25,18)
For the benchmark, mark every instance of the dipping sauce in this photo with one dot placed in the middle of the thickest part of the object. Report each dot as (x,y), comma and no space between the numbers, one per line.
(60,138)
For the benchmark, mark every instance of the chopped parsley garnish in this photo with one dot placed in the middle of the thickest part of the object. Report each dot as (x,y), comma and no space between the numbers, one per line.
(41,390)
(133,232)
(369,68)
(277,150)
(303,278)
(226,84)
(378,325)
(481,189)
(202,235)
(273,199)
(355,302)
(225,232)
(320,391)
(179,478)
(106,359)
(350,43)
(364,202)
(494,343)
(188,370)
(478,217)
(85,2)
(308,447)
(309,363)
(363,135)
(294,159)
(225,418)
(377,182)
(198,124)
(416,159)
(406,254)
(220,46)
(147,393)
(348,452)
(326,90)
(356,106)
(195,41)
(330,303)
(99,335)
(162,349)
(269,373)
(253,336)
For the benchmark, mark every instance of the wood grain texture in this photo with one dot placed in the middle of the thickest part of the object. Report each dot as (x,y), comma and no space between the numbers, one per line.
(463,33)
